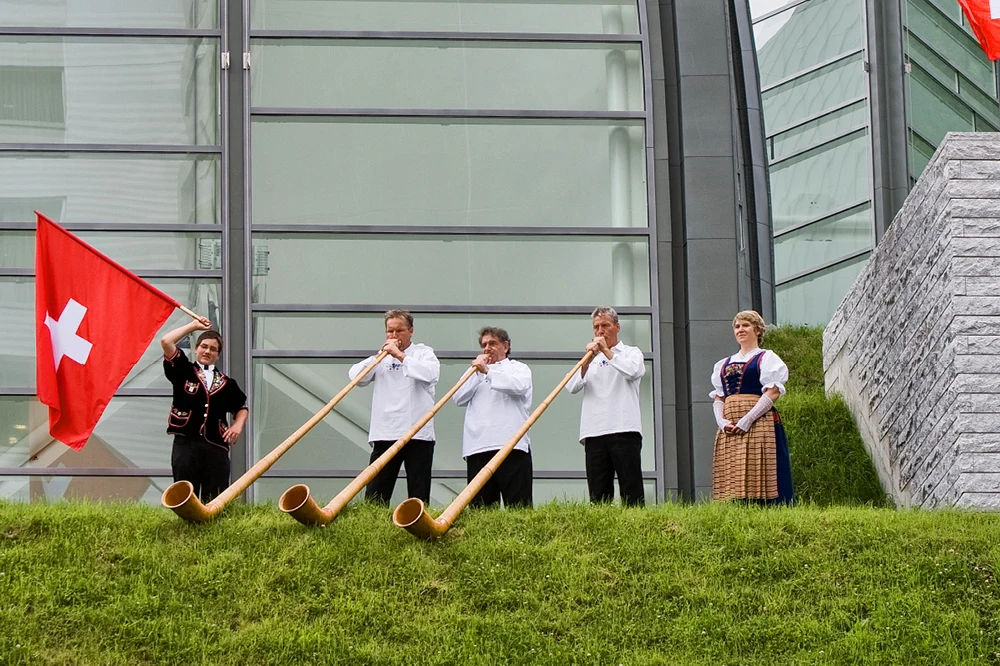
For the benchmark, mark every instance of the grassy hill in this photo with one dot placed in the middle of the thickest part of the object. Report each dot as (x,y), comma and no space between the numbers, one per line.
(829,461)
(839,579)
(561,584)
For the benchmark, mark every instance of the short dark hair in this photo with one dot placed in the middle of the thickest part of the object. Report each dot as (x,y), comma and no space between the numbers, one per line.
(210,335)
(498,333)
(398,314)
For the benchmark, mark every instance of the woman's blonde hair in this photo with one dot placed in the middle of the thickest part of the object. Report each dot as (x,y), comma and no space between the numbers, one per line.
(753,318)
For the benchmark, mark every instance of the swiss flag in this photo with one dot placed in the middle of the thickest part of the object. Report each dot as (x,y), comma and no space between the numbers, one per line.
(984,17)
(93,321)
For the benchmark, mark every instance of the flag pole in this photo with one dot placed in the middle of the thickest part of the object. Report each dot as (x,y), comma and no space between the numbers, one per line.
(191,313)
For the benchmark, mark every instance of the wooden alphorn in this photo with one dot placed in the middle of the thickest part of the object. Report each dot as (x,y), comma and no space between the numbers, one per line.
(412,515)
(297,501)
(180,497)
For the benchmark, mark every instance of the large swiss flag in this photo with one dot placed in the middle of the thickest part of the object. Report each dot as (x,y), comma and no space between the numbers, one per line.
(93,321)
(984,17)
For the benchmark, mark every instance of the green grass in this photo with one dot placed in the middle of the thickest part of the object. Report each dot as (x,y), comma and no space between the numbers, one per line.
(829,462)
(561,584)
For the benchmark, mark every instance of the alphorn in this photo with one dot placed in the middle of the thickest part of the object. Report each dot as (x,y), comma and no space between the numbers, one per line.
(298,502)
(180,497)
(412,515)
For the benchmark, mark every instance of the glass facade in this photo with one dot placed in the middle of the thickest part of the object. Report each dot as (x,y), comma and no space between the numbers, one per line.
(476,162)
(814,57)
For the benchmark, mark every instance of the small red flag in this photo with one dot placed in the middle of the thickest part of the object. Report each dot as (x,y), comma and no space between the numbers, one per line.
(93,321)
(984,17)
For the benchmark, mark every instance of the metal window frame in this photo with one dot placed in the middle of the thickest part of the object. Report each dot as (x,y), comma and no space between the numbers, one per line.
(446,36)
(813,68)
(825,216)
(774,12)
(856,129)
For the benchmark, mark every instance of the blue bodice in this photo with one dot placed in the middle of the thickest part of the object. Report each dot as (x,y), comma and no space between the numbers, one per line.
(742,377)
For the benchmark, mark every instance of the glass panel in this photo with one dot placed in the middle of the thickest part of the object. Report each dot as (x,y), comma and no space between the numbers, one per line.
(761,7)
(935,110)
(571,16)
(814,92)
(920,154)
(984,104)
(446,75)
(131,433)
(951,9)
(443,490)
(822,242)
(449,172)
(82,187)
(930,61)
(453,270)
(135,251)
(288,393)
(454,332)
(17,344)
(111,90)
(147,490)
(111,13)
(955,45)
(821,181)
(805,36)
(814,299)
(817,131)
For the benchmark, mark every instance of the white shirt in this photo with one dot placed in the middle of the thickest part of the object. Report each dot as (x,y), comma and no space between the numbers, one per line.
(610,392)
(403,392)
(773,371)
(206,373)
(496,406)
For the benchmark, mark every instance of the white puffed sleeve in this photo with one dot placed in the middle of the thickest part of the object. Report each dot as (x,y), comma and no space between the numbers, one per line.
(773,372)
(717,380)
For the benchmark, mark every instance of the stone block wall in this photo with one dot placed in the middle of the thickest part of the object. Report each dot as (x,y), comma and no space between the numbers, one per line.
(914,348)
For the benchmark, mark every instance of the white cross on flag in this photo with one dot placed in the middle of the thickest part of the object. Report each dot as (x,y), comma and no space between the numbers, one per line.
(984,18)
(93,321)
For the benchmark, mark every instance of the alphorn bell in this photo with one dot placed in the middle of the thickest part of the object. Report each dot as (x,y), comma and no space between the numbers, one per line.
(297,501)
(180,497)
(412,515)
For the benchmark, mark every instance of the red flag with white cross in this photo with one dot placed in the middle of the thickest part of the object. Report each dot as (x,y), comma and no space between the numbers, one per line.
(984,18)
(93,321)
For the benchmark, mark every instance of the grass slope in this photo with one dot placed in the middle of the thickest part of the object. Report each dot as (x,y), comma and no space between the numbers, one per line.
(829,462)
(561,584)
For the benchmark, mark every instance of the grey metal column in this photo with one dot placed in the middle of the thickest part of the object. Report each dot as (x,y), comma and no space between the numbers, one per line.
(887,106)
(235,280)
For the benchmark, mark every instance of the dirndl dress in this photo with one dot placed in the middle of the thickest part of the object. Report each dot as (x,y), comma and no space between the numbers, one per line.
(753,466)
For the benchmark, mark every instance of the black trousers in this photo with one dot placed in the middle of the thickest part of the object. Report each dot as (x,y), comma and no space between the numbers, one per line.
(615,453)
(205,465)
(512,480)
(418,456)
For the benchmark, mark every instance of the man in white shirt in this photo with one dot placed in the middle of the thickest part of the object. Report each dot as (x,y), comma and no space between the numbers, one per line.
(610,425)
(497,398)
(404,391)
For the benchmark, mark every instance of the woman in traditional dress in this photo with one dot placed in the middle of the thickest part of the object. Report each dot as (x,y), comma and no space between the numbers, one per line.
(751,461)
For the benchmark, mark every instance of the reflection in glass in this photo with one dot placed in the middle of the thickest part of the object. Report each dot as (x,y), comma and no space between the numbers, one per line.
(202,14)
(453,270)
(445,75)
(816,183)
(814,299)
(135,251)
(131,434)
(818,131)
(571,16)
(814,92)
(92,187)
(955,45)
(355,331)
(288,393)
(823,242)
(449,172)
(17,345)
(109,90)
(146,490)
(805,36)
(936,111)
